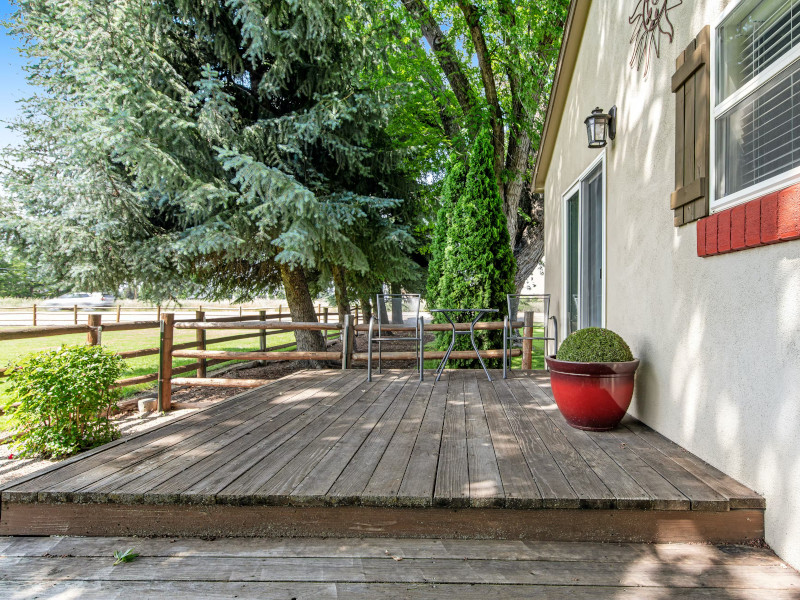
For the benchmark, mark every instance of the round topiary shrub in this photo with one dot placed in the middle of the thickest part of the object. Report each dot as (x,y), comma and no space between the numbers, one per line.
(594,344)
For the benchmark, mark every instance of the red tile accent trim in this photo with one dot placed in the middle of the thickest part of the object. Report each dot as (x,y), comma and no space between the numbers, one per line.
(737,228)
(724,232)
(752,226)
(711,234)
(789,213)
(767,220)
(701,237)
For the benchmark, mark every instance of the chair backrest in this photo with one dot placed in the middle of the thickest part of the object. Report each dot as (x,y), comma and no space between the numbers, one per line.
(519,304)
(397,309)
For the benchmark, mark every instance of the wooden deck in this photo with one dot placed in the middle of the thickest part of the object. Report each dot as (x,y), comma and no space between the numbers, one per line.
(387,569)
(326,453)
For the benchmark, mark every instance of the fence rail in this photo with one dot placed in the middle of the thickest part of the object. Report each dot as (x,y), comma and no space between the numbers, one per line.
(95,328)
(259,326)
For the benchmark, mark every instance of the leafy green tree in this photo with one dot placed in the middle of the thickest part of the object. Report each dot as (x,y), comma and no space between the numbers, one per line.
(217,148)
(478,268)
(469,62)
(18,279)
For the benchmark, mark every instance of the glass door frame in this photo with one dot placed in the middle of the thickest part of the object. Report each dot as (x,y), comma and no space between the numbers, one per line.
(576,188)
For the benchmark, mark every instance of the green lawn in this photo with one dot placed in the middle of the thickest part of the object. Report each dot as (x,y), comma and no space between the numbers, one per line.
(122,341)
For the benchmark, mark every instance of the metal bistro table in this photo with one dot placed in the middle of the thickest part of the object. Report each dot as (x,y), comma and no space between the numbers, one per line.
(446,314)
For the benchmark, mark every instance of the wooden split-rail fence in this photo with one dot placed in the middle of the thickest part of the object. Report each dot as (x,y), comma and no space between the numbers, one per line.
(260,327)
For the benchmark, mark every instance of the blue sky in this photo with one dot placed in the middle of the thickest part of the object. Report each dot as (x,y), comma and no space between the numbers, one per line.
(13,85)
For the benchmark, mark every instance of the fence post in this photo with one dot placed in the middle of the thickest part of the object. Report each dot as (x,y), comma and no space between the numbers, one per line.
(158,313)
(200,336)
(280,309)
(527,345)
(75,314)
(325,320)
(347,342)
(119,310)
(34,315)
(165,362)
(240,310)
(93,337)
(262,337)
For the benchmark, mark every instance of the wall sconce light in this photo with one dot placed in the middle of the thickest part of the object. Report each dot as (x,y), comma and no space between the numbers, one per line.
(600,125)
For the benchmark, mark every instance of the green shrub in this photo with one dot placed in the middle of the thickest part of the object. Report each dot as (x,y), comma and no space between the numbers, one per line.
(65,399)
(594,344)
(478,266)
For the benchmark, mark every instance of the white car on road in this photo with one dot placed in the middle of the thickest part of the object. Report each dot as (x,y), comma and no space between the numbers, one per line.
(79,299)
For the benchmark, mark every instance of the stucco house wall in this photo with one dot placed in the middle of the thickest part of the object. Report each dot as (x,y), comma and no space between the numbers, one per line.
(718,337)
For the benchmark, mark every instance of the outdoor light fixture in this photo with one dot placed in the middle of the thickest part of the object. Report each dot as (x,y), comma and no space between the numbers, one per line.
(599,125)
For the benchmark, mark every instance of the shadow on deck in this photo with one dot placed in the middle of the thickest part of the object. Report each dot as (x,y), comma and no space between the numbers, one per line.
(323,453)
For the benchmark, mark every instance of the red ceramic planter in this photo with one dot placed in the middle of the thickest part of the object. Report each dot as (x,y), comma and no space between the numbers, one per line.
(592,396)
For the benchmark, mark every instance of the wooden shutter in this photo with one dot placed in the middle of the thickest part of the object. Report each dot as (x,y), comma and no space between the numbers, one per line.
(691,86)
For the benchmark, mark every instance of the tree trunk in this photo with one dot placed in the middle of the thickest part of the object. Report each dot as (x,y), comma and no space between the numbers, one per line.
(383,314)
(340,291)
(301,307)
(366,307)
(529,245)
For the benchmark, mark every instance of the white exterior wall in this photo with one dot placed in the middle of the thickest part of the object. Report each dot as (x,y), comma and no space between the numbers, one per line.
(718,337)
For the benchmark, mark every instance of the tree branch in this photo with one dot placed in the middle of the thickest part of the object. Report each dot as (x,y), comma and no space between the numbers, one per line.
(445,54)
(489,86)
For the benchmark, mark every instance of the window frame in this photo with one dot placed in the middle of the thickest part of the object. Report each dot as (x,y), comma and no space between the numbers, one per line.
(762,188)
(574,187)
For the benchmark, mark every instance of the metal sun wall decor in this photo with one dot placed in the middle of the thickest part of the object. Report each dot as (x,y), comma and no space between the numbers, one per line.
(650,19)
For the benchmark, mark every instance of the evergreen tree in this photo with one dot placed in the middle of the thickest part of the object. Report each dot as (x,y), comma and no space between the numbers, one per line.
(451,190)
(478,269)
(221,148)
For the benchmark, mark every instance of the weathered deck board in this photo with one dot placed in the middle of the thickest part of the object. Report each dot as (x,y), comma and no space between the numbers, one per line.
(384,483)
(151,442)
(419,477)
(350,484)
(553,485)
(589,488)
(302,434)
(452,475)
(328,440)
(626,492)
(519,486)
(485,483)
(163,475)
(320,479)
(369,569)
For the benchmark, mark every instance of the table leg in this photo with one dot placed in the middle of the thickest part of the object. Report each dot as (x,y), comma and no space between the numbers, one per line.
(474,346)
(442,364)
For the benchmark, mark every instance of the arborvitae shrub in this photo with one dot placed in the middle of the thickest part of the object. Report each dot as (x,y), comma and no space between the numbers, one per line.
(452,188)
(478,268)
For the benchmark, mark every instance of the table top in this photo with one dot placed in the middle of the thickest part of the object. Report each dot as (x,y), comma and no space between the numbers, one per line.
(464,310)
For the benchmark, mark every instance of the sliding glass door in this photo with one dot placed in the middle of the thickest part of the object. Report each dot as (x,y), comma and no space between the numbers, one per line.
(584,252)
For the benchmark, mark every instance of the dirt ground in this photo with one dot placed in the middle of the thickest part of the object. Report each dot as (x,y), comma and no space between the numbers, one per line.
(187,399)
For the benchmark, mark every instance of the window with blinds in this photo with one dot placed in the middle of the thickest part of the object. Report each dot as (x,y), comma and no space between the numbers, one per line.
(757,99)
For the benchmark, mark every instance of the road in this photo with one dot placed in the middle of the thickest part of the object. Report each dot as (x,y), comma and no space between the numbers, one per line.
(24,318)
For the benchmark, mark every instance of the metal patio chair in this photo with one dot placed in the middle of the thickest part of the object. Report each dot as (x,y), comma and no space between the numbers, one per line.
(403,308)
(513,335)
